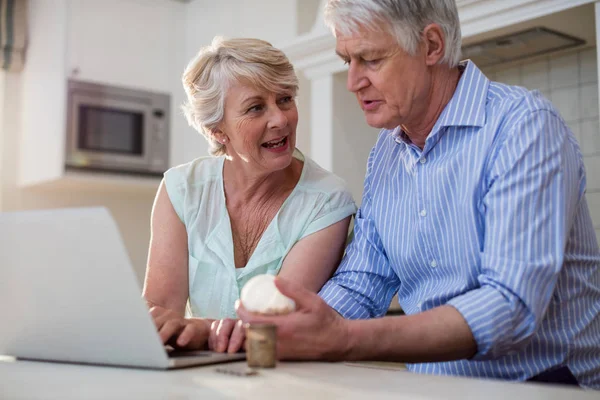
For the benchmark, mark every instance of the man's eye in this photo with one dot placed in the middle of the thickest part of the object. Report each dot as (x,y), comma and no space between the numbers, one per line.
(372,62)
(286,99)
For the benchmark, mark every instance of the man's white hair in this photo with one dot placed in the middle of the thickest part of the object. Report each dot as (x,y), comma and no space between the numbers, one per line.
(404,19)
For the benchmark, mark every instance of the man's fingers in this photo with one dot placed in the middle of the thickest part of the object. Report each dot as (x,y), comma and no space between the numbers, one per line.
(237,337)
(249,317)
(302,297)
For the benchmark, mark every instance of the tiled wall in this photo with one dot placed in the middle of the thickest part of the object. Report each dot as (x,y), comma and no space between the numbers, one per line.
(570,81)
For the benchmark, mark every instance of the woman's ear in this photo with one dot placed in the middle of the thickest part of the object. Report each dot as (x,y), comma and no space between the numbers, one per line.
(219,136)
(435,43)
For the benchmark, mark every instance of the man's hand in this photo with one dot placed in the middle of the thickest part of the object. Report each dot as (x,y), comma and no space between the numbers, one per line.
(179,332)
(313,332)
(226,335)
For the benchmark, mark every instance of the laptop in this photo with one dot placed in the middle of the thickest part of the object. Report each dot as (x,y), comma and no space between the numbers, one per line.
(68,293)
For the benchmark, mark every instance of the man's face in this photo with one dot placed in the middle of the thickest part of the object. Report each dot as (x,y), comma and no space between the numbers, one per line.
(390,85)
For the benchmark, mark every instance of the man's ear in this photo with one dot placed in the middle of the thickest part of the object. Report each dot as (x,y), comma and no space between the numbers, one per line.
(435,43)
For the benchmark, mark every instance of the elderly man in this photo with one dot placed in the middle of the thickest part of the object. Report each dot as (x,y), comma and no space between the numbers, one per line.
(473,211)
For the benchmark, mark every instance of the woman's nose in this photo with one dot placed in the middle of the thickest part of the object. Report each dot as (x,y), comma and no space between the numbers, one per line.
(277,118)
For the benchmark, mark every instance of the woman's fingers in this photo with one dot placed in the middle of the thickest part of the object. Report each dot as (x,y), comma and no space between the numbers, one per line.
(223,333)
(170,329)
(237,337)
(187,335)
(212,337)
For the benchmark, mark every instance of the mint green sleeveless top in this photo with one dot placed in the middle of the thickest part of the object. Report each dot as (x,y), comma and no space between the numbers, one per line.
(195,189)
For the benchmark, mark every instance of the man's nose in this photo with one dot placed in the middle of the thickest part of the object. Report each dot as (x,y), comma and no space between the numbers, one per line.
(356,79)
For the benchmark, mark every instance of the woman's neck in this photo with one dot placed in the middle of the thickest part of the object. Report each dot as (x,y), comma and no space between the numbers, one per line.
(243,187)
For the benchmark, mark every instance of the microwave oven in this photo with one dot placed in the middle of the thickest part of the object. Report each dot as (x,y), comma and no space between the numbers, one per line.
(117,129)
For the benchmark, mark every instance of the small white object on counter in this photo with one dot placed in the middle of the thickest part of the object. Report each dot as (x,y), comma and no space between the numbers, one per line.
(260,295)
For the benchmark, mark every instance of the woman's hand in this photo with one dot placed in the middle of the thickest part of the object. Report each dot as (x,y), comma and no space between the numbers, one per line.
(226,335)
(180,332)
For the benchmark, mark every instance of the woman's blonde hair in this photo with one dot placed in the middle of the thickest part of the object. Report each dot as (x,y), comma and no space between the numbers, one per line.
(209,75)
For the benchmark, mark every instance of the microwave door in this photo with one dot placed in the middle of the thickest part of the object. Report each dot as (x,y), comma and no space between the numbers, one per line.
(110,133)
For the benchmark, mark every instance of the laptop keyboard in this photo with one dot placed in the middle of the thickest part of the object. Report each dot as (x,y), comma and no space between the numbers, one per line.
(183,353)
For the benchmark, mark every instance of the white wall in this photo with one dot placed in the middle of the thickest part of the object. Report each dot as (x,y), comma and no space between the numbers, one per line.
(2,91)
(353,137)
(306,11)
(570,81)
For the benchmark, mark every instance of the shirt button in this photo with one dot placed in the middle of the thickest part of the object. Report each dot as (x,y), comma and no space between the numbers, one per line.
(423,160)
(433,263)
(423,213)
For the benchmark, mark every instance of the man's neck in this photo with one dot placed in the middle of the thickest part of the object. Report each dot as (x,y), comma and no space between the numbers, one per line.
(443,86)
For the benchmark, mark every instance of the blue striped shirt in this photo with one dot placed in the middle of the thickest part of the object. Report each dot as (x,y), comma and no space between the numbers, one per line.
(490,218)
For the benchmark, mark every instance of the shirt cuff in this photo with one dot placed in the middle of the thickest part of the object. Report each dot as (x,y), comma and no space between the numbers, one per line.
(490,318)
(338,298)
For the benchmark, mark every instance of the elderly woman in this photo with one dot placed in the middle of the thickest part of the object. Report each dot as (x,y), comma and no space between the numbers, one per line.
(257,206)
(473,211)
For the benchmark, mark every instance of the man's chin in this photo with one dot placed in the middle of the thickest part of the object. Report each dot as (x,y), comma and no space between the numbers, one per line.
(376,121)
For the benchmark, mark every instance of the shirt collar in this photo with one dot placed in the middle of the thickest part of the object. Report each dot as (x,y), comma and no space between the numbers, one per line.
(465,108)
(467,105)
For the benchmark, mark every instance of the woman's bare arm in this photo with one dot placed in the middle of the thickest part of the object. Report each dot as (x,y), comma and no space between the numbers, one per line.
(312,260)
(166,283)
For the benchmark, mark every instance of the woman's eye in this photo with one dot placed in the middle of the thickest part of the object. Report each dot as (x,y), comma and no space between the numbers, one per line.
(286,99)
(255,108)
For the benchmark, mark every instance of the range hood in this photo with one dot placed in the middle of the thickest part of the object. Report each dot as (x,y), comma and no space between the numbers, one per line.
(519,45)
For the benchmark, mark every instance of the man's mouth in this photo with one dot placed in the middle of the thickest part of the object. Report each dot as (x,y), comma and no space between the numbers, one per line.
(273,144)
(370,104)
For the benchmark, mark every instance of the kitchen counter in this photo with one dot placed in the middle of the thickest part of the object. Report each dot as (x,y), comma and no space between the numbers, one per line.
(309,380)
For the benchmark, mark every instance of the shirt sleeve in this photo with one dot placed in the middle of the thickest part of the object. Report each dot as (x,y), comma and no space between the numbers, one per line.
(364,283)
(175,184)
(534,184)
(338,205)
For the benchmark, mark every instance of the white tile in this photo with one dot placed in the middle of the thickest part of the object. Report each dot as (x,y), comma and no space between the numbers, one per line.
(575,127)
(589,137)
(564,71)
(547,93)
(592,171)
(491,75)
(589,101)
(536,75)
(510,76)
(593,200)
(567,103)
(588,66)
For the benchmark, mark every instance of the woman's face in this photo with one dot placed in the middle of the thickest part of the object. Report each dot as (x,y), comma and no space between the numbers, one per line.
(259,126)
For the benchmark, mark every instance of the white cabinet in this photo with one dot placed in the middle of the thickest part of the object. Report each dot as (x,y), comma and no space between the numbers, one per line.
(123,42)
(132,43)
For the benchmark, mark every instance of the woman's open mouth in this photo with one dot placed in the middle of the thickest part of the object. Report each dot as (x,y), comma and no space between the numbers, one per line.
(275,144)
